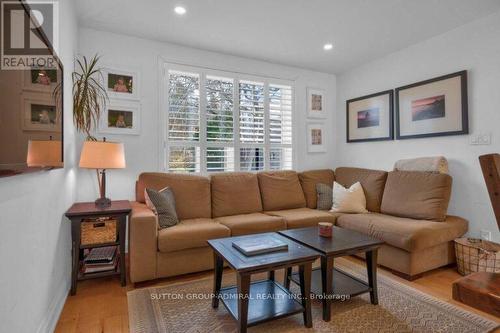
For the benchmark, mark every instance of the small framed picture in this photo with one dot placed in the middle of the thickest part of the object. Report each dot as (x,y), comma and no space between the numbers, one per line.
(121,118)
(40,113)
(315,138)
(41,79)
(435,107)
(370,118)
(121,83)
(316,103)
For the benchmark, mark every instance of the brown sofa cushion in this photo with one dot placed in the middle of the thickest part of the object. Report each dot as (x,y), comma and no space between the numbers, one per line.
(372,181)
(303,217)
(190,234)
(407,234)
(418,195)
(192,193)
(281,190)
(309,180)
(235,193)
(252,223)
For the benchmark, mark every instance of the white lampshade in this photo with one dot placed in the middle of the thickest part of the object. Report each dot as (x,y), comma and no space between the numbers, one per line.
(44,153)
(102,155)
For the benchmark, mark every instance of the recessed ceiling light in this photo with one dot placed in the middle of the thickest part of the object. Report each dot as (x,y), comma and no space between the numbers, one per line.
(327,46)
(180,10)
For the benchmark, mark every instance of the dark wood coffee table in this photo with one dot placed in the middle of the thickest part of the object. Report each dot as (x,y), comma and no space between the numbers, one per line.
(263,300)
(328,282)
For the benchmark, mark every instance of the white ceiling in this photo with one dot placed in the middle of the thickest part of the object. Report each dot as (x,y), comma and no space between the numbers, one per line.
(290,32)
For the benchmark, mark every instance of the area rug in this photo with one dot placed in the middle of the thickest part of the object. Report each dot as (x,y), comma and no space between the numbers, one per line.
(186,308)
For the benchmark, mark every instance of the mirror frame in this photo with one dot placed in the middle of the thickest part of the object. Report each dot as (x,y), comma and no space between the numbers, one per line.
(49,45)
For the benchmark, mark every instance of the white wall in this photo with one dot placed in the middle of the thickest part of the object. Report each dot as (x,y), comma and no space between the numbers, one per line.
(474,47)
(142,150)
(35,238)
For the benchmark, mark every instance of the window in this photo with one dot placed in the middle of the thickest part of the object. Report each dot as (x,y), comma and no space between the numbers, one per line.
(220,121)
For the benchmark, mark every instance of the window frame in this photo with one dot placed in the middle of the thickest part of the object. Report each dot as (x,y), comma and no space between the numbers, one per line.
(203,144)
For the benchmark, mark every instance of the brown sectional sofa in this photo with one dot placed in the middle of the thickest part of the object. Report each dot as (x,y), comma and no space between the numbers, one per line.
(407,211)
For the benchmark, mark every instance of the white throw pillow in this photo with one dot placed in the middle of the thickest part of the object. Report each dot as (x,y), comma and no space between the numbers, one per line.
(351,200)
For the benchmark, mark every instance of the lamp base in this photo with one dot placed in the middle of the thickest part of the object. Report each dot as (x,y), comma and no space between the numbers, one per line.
(103,202)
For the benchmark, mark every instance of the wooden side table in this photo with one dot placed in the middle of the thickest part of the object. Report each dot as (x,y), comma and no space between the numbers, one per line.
(84,210)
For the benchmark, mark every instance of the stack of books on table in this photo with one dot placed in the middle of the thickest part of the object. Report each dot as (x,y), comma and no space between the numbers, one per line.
(100,259)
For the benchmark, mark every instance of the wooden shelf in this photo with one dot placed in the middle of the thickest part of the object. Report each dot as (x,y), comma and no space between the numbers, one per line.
(267,300)
(87,276)
(343,283)
(92,246)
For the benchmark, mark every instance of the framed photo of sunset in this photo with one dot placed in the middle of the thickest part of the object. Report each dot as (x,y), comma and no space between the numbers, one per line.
(435,107)
(369,118)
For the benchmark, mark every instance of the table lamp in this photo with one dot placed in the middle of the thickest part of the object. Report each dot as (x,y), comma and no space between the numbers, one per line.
(44,154)
(102,155)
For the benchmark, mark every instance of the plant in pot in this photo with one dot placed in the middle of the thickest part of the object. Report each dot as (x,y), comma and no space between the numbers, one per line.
(89,95)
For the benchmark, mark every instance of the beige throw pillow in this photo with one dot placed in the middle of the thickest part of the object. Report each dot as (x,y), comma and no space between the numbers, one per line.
(351,200)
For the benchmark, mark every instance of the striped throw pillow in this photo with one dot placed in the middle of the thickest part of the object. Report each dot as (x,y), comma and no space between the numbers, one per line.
(162,203)
(325,197)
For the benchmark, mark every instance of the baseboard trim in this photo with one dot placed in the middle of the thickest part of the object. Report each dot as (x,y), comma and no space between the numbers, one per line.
(49,323)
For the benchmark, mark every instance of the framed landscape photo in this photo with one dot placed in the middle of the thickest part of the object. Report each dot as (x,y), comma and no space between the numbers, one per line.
(435,107)
(370,118)
(40,113)
(121,118)
(316,103)
(121,83)
(315,138)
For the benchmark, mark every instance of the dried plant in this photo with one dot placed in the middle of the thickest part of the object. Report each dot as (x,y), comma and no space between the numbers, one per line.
(89,95)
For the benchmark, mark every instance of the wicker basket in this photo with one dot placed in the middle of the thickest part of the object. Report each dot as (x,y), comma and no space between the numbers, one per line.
(477,255)
(98,231)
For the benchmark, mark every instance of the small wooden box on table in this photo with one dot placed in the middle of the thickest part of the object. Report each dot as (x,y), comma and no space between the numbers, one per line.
(243,301)
(88,210)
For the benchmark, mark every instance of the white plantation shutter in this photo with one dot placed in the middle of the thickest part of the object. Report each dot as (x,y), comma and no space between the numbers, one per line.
(221,121)
(251,99)
(220,159)
(251,159)
(184,159)
(184,106)
(280,114)
(280,127)
(219,109)
(280,158)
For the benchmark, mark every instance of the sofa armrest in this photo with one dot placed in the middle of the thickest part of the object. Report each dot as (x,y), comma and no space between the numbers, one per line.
(143,243)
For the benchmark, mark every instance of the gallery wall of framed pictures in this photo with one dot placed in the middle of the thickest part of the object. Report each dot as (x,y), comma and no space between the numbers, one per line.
(430,108)
(316,110)
(122,114)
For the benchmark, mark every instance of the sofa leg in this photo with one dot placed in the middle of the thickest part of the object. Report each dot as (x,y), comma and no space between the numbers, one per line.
(407,276)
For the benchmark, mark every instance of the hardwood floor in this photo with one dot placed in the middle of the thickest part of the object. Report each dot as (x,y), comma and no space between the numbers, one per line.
(101,305)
